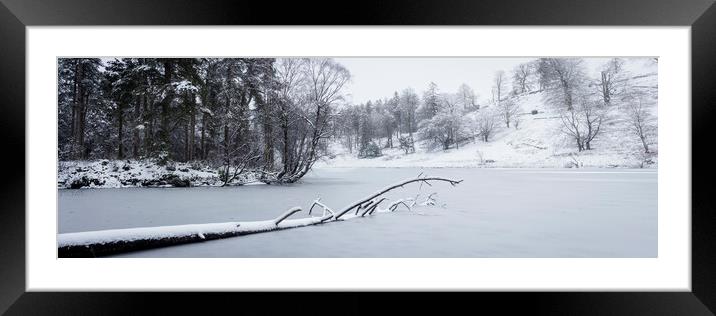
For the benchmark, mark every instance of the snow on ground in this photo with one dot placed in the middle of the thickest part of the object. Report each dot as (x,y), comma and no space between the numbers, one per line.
(536,143)
(137,173)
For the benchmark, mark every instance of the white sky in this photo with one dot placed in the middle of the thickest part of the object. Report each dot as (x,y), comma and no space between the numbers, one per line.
(376,78)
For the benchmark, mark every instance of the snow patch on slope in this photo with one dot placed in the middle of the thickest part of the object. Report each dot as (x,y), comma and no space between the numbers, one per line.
(537,143)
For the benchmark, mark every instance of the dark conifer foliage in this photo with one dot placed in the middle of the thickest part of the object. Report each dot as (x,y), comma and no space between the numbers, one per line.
(267,114)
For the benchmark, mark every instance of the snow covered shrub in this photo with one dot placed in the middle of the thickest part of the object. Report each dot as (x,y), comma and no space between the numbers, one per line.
(84,181)
(443,130)
(370,150)
(162,158)
(407,144)
(196,165)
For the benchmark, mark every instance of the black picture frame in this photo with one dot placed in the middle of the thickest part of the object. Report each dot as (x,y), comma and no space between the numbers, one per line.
(15,15)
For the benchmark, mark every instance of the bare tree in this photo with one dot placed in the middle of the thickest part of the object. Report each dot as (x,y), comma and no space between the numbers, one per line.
(610,78)
(409,105)
(485,123)
(563,79)
(521,78)
(499,86)
(467,98)
(322,83)
(236,162)
(583,122)
(594,115)
(508,109)
(641,122)
(290,81)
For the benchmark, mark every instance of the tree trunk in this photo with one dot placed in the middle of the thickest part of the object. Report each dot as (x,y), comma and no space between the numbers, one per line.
(120,131)
(166,103)
(135,130)
(192,131)
(78,113)
(227,142)
(149,128)
(643,142)
(286,155)
(268,154)
(73,116)
(203,135)
(83,120)
(186,141)
(605,88)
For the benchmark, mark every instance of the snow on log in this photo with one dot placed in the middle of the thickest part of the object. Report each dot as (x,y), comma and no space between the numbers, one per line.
(107,242)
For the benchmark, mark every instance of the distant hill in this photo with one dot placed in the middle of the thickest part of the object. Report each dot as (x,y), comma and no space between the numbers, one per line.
(536,143)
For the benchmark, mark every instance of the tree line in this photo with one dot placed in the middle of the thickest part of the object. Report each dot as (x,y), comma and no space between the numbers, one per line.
(273,115)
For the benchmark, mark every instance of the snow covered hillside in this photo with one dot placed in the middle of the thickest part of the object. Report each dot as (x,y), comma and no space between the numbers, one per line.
(537,142)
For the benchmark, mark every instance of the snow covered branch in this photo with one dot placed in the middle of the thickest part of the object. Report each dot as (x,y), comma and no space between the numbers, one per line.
(397,203)
(387,189)
(370,209)
(286,214)
(325,216)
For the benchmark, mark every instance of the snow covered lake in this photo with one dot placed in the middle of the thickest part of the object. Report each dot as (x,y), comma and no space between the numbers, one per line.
(493,213)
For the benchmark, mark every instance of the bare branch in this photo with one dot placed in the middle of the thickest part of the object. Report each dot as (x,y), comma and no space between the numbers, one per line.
(286,214)
(392,187)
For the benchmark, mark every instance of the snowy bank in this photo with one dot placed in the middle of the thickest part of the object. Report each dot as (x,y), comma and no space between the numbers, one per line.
(139,173)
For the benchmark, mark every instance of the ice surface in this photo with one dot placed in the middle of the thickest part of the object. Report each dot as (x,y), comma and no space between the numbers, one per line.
(492,213)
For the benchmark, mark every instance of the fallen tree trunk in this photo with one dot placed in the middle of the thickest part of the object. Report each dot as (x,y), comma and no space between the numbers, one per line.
(114,241)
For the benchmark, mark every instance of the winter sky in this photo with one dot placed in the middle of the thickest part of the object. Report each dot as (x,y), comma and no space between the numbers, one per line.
(378,77)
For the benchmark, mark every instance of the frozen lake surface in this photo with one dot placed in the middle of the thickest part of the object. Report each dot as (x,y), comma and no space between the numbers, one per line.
(493,213)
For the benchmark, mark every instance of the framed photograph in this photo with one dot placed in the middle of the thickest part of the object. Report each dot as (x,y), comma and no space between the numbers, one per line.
(548,151)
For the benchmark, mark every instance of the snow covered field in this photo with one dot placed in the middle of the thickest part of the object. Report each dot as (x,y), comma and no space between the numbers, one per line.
(493,213)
